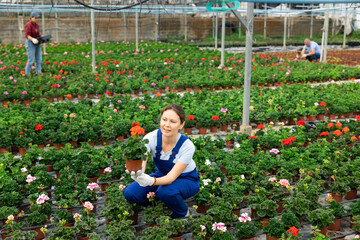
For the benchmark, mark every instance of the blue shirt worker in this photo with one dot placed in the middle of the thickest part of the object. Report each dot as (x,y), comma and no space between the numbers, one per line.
(311,51)
(32,45)
(175,177)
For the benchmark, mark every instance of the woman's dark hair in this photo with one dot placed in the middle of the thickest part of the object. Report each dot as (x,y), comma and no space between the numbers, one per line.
(177,108)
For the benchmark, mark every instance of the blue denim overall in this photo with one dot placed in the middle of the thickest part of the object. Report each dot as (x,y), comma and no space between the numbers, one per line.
(172,195)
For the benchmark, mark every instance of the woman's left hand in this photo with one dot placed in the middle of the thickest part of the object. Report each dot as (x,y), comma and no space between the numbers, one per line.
(145,180)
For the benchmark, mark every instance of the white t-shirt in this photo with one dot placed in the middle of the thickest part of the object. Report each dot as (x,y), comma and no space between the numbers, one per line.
(185,154)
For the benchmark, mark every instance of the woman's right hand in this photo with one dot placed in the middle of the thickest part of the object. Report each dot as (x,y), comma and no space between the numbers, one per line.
(134,175)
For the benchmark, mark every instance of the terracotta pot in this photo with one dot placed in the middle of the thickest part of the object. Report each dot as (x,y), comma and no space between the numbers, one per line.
(22,151)
(213,129)
(176,237)
(323,231)
(188,89)
(224,127)
(202,208)
(103,187)
(162,90)
(271,238)
(188,131)
(351,194)
(60,98)
(179,89)
(40,146)
(331,234)
(103,142)
(320,117)
(101,171)
(3,150)
(237,212)
(40,234)
(349,115)
(312,118)
(202,130)
(172,90)
(133,165)
(69,224)
(332,116)
(93,179)
(120,138)
(341,116)
(83,238)
(70,210)
(223,170)
(73,144)
(99,95)
(336,225)
(291,122)
(280,208)
(27,102)
(49,168)
(90,96)
(229,144)
(80,97)
(134,217)
(58,146)
(91,144)
(337,197)
(264,222)
(136,92)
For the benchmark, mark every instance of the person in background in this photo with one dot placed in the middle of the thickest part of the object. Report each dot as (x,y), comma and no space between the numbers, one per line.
(311,51)
(33,49)
(175,177)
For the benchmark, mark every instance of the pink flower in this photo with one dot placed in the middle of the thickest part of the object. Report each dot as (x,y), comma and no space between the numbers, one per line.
(65,53)
(40,200)
(274,151)
(121,187)
(272,179)
(108,170)
(281,123)
(24,93)
(214,226)
(119,101)
(77,216)
(153,84)
(29,178)
(150,194)
(88,205)
(92,186)
(218,179)
(244,218)
(357,236)
(91,85)
(6,93)
(284,182)
(72,115)
(224,110)
(23,170)
(202,227)
(11,218)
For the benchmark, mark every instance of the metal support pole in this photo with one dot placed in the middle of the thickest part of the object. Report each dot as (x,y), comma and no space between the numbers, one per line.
(125,27)
(223,40)
(326,32)
(43,25)
(213,25)
(311,22)
(216,31)
(345,24)
(239,29)
(185,19)
(285,26)
(56,24)
(137,30)
(20,24)
(93,37)
(156,27)
(289,23)
(265,18)
(333,21)
(245,127)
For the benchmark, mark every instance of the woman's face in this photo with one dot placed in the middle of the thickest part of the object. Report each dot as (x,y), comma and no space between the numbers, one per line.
(170,123)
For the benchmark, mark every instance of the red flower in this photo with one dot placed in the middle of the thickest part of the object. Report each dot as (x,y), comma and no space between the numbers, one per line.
(215,118)
(21,133)
(108,92)
(291,138)
(323,134)
(165,77)
(286,142)
(135,124)
(124,84)
(294,230)
(260,126)
(301,123)
(253,137)
(145,80)
(357,118)
(322,104)
(38,127)
(190,117)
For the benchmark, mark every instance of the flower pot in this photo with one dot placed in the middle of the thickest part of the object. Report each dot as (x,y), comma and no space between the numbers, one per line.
(136,92)
(134,217)
(133,165)
(213,129)
(332,234)
(188,131)
(223,170)
(101,171)
(291,122)
(237,212)
(336,225)
(202,208)
(224,127)
(120,138)
(93,179)
(90,96)
(58,146)
(27,102)
(229,144)
(40,234)
(280,208)
(83,238)
(103,142)
(312,118)
(99,95)
(60,98)
(332,116)
(337,197)
(3,150)
(188,89)
(351,194)
(80,97)
(341,116)
(103,187)
(271,238)
(73,144)
(202,130)
(40,146)
(264,222)
(323,231)
(69,224)
(320,117)
(162,90)
(179,89)
(349,115)
(178,237)
(91,144)
(22,151)
(49,168)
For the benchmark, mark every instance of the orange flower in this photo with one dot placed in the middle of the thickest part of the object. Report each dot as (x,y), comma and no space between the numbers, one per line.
(137,130)
(68,95)
(339,124)
(330,125)
(6,106)
(158,94)
(353,138)
(337,133)
(345,129)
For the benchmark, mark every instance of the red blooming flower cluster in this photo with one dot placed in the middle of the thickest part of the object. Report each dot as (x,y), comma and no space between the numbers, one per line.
(324,134)
(215,118)
(253,137)
(288,141)
(135,124)
(260,126)
(190,117)
(38,127)
(294,230)
(322,104)
(300,123)
(357,118)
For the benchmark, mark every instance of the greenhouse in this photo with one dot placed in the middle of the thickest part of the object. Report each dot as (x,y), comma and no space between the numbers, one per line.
(188,119)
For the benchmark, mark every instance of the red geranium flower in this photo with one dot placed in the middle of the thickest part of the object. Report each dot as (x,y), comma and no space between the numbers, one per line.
(215,118)
(21,133)
(322,104)
(286,142)
(38,127)
(291,138)
(165,77)
(190,117)
(357,118)
(300,123)
(294,230)
(324,134)
(135,124)
(260,126)
(253,137)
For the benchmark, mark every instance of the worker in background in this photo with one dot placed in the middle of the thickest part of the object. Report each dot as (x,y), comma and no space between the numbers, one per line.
(33,49)
(311,51)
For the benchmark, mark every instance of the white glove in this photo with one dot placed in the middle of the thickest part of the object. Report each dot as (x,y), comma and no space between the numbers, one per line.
(303,56)
(35,41)
(145,180)
(133,174)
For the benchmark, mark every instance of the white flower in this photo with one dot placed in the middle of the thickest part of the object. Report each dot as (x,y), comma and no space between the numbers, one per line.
(242,176)
(23,170)
(108,170)
(237,145)
(11,218)
(88,205)
(207,162)
(281,123)
(274,151)
(218,179)
(244,218)
(316,104)
(206,181)
(29,178)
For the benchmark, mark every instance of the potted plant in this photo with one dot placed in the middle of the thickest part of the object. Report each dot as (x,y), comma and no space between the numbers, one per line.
(11,225)
(134,148)
(200,226)
(155,210)
(85,222)
(321,218)
(245,229)
(338,211)
(222,211)
(189,124)
(214,123)
(221,232)
(289,219)
(62,231)
(35,220)
(119,230)
(63,215)
(6,211)
(274,230)
(225,119)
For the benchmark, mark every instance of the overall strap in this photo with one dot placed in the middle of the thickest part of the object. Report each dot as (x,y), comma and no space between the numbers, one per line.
(177,147)
(158,144)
